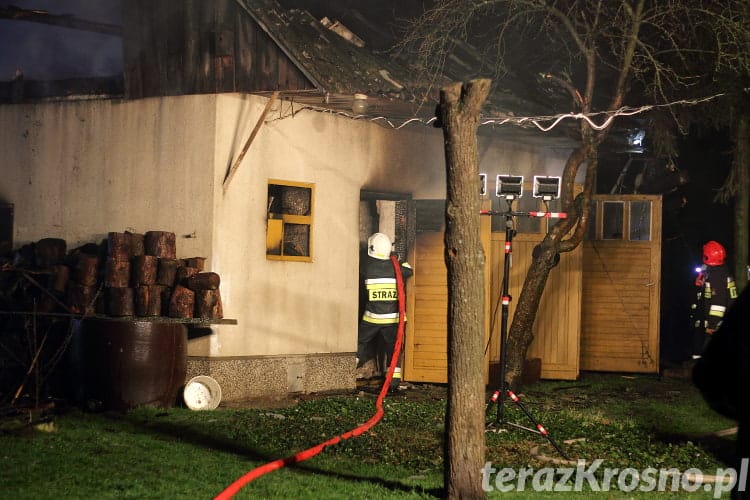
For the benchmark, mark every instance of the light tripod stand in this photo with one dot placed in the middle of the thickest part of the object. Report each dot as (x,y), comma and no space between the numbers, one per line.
(498,396)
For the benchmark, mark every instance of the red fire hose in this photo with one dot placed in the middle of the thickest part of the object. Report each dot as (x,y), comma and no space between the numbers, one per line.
(236,486)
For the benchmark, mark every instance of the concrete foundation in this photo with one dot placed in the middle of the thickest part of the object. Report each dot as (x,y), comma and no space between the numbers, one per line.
(243,378)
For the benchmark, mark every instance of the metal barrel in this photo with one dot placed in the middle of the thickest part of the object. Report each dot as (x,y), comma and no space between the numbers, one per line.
(122,364)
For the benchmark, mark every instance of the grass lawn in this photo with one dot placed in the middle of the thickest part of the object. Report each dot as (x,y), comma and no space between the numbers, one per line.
(634,422)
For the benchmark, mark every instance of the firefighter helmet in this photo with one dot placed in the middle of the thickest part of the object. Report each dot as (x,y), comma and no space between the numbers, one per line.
(379,246)
(714,254)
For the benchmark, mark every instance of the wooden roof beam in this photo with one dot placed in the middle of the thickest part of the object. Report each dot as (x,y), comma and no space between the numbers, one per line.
(261,119)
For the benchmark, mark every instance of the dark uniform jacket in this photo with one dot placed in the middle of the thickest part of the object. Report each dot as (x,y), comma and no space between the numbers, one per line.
(382,294)
(715,293)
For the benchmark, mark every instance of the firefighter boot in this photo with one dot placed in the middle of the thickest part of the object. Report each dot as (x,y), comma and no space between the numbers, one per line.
(395,381)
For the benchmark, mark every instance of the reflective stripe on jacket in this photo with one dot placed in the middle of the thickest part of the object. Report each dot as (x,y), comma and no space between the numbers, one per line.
(716,292)
(382,293)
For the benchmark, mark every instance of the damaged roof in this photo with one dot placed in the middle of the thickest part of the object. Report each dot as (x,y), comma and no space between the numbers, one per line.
(341,47)
(342,62)
(333,63)
(338,67)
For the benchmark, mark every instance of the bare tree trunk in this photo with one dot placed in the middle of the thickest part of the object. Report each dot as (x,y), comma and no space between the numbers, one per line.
(464,258)
(742,202)
(520,334)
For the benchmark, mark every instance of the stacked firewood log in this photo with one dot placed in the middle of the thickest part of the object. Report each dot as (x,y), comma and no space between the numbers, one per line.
(128,274)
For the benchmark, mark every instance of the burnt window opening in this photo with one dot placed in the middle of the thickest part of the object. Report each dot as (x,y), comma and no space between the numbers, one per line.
(289,220)
(390,213)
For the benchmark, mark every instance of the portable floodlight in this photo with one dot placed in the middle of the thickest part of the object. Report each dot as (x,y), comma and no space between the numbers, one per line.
(509,186)
(482,184)
(547,188)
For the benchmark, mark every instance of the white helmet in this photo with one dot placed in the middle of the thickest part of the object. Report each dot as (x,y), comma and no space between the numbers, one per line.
(379,246)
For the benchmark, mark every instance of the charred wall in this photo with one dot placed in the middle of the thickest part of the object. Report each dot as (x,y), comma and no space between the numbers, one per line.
(196,47)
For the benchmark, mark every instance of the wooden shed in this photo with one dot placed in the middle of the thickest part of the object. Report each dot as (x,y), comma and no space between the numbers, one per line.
(599,310)
(621,285)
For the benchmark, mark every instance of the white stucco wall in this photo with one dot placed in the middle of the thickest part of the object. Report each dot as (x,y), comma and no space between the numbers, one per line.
(80,169)
(501,155)
(421,167)
(299,307)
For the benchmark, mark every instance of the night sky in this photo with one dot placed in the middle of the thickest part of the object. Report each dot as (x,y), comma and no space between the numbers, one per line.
(706,157)
(44,52)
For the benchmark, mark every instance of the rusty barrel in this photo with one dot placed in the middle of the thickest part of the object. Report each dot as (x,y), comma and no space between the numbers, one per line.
(121,364)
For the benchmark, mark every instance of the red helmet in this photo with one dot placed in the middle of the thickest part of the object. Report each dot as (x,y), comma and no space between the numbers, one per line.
(714,254)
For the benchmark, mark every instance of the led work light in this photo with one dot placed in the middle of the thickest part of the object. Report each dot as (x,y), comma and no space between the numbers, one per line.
(547,188)
(509,187)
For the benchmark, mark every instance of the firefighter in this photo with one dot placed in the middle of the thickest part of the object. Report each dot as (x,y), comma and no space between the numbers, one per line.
(715,292)
(381,314)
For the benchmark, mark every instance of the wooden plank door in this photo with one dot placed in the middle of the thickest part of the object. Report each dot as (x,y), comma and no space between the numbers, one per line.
(557,325)
(426,347)
(621,285)
(426,344)
(556,329)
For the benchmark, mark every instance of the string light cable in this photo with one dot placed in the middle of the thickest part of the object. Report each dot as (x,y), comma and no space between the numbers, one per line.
(599,120)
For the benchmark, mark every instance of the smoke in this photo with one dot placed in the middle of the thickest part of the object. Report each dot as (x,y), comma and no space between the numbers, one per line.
(47,52)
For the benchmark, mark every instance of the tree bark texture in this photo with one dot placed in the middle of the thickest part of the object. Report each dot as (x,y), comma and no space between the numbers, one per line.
(162,244)
(136,244)
(204,281)
(197,262)
(49,252)
(86,270)
(208,304)
(182,303)
(464,257)
(59,278)
(167,271)
(183,273)
(149,300)
(117,273)
(144,270)
(118,246)
(520,334)
(120,301)
(80,298)
(742,202)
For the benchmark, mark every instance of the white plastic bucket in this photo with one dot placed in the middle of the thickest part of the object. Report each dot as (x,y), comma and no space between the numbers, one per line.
(202,393)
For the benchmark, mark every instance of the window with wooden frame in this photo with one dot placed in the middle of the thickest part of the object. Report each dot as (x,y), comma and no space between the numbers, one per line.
(625,220)
(290,220)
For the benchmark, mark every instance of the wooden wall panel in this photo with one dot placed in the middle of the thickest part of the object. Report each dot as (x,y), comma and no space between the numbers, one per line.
(556,328)
(599,310)
(195,47)
(557,325)
(426,345)
(425,353)
(621,288)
